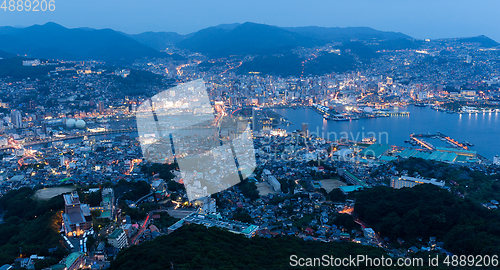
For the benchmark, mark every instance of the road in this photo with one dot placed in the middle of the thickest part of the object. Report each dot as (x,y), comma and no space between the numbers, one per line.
(133,241)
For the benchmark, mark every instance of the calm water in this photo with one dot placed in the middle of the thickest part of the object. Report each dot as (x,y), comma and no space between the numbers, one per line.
(482,130)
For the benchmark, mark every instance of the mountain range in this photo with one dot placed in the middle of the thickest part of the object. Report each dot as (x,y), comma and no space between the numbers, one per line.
(53,41)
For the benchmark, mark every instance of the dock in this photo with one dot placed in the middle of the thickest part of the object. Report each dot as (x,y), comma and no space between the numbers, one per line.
(423,143)
(440,136)
(453,142)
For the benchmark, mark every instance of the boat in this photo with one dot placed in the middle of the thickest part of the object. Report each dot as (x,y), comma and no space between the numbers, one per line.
(337,117)
(340,118)
(419,105)
(468,143)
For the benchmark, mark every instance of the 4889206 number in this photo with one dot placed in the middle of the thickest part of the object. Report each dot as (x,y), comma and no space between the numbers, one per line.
(28,5)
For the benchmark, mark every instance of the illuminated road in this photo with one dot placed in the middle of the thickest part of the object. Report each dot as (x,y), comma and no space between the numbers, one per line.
(133,241)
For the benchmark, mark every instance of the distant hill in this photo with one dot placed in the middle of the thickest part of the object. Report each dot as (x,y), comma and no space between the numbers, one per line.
(13,67)
(483,40)
(287,65)
(397,44)
(247,38)
(53,41)
(5,54)
(291,65)
(362,51)
(158,40)
(328,63)
(345,34)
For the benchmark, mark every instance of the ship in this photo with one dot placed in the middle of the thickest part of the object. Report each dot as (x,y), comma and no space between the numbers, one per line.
(339,117)
(468,143)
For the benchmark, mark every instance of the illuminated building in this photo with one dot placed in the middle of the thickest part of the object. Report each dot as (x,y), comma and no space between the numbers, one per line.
(74,261)
(16,118)
(76,216)
(406,181)
(305,129)
(118,239)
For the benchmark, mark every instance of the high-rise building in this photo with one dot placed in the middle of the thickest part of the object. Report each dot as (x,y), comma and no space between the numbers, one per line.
(44,127)
(305,129)
(16,118)
(196,191)
(108,203)
(118,239)
(100,107)
(496,160)
(76,216)
(468,59)
(257,116)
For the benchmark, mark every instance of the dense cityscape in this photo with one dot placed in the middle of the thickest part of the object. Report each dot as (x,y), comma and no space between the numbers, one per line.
(72,149)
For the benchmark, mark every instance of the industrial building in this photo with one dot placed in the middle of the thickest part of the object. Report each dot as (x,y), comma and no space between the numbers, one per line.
(375,150)
(211,220)
(406,181)
(442,154)
(351,178)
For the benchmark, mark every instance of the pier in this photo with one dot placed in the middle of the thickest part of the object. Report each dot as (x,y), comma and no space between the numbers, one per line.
(423,143)
(393,113)
(440,136)
(453,142)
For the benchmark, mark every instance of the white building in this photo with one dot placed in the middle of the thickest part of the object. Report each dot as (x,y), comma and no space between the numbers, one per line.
(33,63)
(496,160)
(118,239)
(16,118)
(273,182)
(406,181)
(3,141)
(196,191)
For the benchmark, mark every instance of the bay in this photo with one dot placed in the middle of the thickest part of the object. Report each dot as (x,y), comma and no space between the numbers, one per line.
(482,129)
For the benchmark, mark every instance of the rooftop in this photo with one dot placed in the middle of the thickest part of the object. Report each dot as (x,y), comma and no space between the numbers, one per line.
(115,233)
